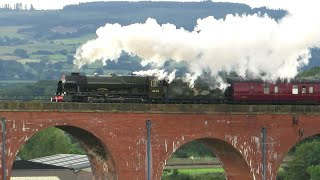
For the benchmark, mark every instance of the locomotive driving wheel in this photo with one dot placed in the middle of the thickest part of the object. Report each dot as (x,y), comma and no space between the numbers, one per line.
(103,91)
(102,94)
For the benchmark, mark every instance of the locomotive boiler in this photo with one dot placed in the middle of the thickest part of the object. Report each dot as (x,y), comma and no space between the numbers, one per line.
(110,88)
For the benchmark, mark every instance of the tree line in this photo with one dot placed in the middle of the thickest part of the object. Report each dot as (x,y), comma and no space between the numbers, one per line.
(17,7)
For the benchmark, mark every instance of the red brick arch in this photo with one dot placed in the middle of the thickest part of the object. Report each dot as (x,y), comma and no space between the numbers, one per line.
(230,158)
(100,158)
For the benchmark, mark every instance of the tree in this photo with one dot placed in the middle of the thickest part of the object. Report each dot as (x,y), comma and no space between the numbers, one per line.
(31,7)
(314,172)
(47,142)
(63,52)
(21,53)
(18,6)
(194,148)
(11,69)
(305,156)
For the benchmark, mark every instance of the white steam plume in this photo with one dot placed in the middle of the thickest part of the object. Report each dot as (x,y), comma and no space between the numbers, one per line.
(247,44)
(159,73)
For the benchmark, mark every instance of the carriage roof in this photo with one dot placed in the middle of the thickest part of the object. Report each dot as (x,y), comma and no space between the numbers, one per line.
(304,80)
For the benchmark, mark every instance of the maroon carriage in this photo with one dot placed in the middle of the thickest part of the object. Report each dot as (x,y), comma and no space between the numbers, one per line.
(297,90)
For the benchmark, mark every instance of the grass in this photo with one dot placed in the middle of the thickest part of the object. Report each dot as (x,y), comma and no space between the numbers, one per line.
(35,47)
(53,57)
(45,46)
(200,171)
(75,41)
(23,61)
(194,174)
(9,58)
(70,44)
(16,81)
(11,31)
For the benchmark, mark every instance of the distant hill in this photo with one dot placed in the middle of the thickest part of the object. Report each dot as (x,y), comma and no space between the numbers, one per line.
(95,14)
(48,39)
(182,14)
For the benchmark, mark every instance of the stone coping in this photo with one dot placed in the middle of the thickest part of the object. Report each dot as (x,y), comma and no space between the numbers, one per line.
(158,108)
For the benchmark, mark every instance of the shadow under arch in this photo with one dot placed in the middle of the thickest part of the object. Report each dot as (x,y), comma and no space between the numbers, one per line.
(235,166)
(102,164)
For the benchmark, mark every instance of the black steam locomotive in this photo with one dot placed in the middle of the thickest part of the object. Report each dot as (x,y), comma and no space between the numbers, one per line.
(112,88)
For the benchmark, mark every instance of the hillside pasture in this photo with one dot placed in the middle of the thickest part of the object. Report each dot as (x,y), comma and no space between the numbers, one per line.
(75,41)
(11,31)
(9,58)
(53,57)
(34,47)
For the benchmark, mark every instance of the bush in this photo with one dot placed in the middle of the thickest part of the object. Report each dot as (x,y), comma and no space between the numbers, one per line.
(280,175)
(306,155)
(314,172)
(21,53)
(175,175)
(42,52)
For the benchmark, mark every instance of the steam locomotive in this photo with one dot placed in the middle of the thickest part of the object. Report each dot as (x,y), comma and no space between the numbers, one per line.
(111,88)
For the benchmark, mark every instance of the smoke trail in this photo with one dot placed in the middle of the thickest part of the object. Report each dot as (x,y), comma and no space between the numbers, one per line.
(159,73)
(252,45)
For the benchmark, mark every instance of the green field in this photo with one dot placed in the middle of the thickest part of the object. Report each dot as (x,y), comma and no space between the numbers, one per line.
(11,31)
(75,41)
(15,81)
(69,44)
(194,174)
(201,171)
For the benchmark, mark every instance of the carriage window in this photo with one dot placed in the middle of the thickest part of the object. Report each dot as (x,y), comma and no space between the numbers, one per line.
(276,89)
(295,89)
(311,89)
(154,83)
(304,90)
(252,89)
(266,89)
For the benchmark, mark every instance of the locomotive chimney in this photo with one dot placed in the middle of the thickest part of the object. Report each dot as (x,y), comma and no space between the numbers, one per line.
(75,73)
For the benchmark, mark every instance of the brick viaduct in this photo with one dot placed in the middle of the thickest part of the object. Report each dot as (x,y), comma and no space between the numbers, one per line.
(250,140)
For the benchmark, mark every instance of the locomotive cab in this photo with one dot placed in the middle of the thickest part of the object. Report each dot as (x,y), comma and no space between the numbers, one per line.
(157,89)
(228,92)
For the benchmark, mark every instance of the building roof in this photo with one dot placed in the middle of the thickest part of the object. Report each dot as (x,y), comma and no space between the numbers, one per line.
(23,164)
(36,178)
(71,161)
